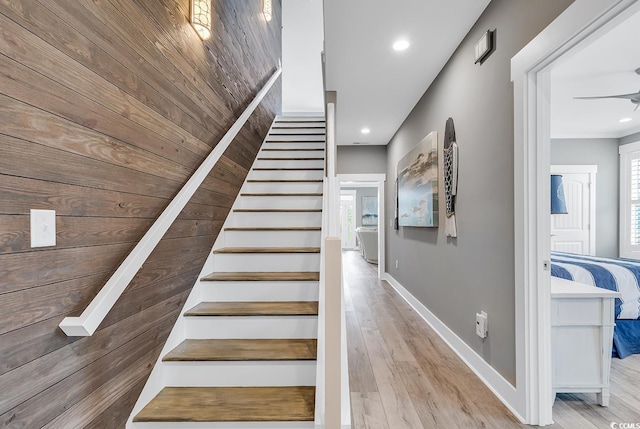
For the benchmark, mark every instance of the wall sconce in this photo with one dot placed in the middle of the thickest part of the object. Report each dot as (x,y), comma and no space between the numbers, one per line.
(201,17)
(266,10)
(558,202)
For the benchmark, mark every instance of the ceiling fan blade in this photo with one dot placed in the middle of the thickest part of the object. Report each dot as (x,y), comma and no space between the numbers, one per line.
(634,97)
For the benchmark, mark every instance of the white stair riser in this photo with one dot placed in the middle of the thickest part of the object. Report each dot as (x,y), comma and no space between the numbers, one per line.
(258,291)
(223,425)
(295,131)
(273,219)
(291,153)
(279,202)
(248,373)
(279,187)
(286,174)
(290,117)
(298,124)
(277,145)
(296,138)
(251,327)
(294,163)
(272,238)
(264,262)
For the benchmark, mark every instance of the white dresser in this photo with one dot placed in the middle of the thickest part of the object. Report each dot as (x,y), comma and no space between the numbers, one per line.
(582,320)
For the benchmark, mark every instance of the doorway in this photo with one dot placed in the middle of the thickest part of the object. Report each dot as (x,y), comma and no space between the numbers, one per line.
(580,24)
(374,186)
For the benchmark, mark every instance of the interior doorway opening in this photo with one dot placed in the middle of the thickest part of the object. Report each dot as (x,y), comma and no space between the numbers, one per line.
(368,216)
(581,24)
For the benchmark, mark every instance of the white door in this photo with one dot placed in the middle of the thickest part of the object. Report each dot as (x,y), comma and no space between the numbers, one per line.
(574,232)
(348,219)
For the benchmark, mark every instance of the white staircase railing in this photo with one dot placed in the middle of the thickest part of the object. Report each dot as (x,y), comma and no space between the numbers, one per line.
(333,409)
(87,323)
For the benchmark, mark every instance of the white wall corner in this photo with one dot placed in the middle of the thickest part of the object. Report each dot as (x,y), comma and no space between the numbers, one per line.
(504,390)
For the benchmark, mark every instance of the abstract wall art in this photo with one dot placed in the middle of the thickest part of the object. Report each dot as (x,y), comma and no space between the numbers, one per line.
(418,184)
(369,211)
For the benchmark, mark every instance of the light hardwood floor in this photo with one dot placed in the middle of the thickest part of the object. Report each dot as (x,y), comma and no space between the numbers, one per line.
(403,376)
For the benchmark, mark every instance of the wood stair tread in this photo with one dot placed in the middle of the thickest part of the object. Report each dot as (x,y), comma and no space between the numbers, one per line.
(284,180)
(284,276)
(289,159)
(233,350)
(281,194)
(304,127)
(288,169)
(306,121)
(294,141)
(273,228)
(261,308)
(277,210)
(230,404)
(268,250)
(294,150)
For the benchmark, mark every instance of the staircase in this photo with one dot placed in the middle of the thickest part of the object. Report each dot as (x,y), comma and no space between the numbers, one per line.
(243,353)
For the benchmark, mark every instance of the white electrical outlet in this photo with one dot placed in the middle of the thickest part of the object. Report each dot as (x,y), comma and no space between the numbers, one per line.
(396,264)
(482,326)
(43,228)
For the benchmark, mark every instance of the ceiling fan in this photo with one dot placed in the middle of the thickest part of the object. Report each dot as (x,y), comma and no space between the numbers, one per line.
(633,97)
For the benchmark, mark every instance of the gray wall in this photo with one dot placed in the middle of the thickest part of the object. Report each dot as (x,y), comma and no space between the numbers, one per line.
(604,154)
(361,192)
(457,278)
(630,139)
(362,160)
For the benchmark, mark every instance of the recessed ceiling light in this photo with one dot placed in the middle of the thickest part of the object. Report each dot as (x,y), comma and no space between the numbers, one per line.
(365,131)
(623,120)
(401,45)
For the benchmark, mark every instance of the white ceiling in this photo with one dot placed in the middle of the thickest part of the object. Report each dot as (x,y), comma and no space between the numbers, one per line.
(604,67)
(376,86)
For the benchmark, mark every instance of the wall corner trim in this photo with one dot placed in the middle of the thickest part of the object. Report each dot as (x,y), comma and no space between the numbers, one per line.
(504,390)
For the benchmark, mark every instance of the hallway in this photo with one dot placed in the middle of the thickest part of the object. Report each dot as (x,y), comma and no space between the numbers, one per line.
(403,376)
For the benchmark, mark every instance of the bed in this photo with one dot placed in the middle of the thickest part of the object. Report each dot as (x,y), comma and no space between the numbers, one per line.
(622,275)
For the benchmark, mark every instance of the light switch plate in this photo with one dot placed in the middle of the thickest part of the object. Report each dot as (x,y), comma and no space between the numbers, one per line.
(43,228)
(484,47)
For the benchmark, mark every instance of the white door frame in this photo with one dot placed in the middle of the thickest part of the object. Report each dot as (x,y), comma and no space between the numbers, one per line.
(583,20)
(591,170)
(376,181)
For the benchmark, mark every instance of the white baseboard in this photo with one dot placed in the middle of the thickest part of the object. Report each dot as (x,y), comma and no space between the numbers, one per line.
(504,390)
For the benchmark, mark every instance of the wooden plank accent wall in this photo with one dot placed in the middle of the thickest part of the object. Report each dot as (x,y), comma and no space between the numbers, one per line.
(106,108)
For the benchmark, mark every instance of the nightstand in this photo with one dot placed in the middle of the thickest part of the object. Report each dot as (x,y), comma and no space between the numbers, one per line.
(582,321)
